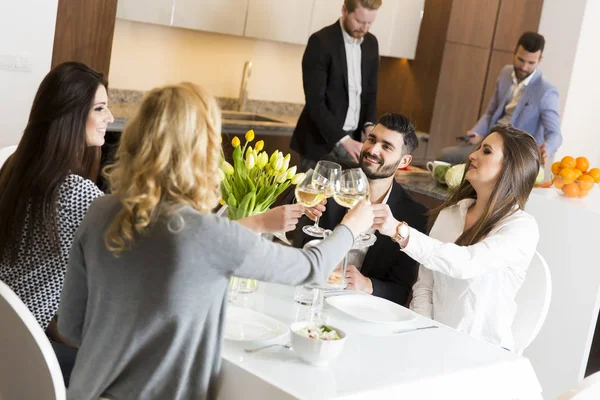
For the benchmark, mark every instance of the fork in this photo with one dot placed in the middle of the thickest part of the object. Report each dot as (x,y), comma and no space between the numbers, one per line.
(416,329)
(287,346)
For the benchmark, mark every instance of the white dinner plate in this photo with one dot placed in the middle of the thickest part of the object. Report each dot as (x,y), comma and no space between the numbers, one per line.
(243,324)
(371,309)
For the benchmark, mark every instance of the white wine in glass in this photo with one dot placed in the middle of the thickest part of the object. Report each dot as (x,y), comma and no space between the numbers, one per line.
(309,196)
(325,178)
(349,198)
(354,187)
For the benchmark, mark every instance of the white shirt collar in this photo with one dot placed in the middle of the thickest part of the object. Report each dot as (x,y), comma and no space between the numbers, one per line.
(387,196)
(349,39)
(464,204)
(525,81)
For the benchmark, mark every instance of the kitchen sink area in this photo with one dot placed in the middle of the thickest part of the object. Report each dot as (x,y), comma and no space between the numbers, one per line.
(238,122)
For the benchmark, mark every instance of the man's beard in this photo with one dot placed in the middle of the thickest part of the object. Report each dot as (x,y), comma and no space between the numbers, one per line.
(354,34)
(519,77)
(381,171)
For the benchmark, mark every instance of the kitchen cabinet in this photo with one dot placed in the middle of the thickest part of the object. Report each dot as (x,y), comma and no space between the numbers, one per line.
(292,21)
(472,22)
(404,31)
(324,13)
(396,27)
(455,111)
(151,11)
(383,25)
(280,20)
(220,16)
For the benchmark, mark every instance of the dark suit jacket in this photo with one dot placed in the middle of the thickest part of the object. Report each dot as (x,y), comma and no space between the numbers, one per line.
(325,80)
(392,272)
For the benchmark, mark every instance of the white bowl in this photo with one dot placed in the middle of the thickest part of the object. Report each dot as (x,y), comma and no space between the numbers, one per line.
(316,351)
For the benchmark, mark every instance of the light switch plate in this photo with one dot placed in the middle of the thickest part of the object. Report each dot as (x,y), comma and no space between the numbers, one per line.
(10,62)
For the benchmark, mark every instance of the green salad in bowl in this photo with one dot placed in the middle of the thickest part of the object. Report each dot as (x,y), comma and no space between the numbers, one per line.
(322,332)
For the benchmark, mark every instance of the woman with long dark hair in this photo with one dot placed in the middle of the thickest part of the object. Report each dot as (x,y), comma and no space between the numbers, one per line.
(47,185)
(476,257)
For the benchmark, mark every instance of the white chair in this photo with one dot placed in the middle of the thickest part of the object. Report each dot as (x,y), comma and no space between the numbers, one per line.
(28,366)
(5,152)
(587,389)
(533,302)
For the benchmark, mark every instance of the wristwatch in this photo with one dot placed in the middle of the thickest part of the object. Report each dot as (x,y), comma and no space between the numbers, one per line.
(402,232)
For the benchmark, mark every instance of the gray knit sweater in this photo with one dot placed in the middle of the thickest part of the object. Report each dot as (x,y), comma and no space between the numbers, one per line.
(150,322)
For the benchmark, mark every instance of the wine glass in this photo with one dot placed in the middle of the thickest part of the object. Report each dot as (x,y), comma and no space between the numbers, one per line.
(325,178)
(308,194)
(354,187)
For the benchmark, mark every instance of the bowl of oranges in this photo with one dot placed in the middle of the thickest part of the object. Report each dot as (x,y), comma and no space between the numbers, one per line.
(572,177)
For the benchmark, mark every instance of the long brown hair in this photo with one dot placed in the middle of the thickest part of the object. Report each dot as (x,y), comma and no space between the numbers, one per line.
(520,166)
(168,157)
(53,145)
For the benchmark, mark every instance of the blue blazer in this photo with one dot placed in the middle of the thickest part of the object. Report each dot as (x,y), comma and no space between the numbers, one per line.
(537,112)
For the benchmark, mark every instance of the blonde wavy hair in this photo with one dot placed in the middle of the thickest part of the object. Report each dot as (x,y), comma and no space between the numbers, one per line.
(168,157)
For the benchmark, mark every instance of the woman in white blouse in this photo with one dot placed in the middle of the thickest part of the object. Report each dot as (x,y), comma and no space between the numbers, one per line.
(476,257)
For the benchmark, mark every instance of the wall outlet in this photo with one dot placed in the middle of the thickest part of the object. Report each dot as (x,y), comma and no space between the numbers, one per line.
(10,62)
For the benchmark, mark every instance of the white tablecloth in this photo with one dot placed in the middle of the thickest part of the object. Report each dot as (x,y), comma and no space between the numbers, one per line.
(375,363)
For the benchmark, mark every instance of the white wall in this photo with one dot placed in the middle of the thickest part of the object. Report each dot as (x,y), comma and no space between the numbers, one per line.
(571,62)
(165,55)
(581,116)
(560,353)
(561,43)
(26,29)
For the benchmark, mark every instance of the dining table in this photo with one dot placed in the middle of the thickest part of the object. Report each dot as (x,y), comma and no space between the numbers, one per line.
(380,360)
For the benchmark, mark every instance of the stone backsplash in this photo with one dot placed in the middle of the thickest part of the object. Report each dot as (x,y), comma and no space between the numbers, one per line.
(123,103)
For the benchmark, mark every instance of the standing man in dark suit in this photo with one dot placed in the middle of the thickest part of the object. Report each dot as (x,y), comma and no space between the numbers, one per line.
(339,74)
(382,269)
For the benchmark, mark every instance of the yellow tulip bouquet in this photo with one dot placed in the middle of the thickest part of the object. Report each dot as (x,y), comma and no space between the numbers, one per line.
(252,184)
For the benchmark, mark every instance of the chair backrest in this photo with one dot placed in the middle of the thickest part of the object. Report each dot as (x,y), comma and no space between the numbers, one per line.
(587,389)
(533,302)
(28,366)
(5,152)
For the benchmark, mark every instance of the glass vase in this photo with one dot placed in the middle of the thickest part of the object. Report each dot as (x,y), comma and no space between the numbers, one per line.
(240,285)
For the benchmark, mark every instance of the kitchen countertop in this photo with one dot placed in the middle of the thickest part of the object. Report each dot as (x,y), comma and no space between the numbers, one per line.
(284,127)
(423,184)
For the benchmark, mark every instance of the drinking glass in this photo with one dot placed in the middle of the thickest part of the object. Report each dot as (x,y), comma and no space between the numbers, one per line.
(354,187)
(308,194)
(325,178)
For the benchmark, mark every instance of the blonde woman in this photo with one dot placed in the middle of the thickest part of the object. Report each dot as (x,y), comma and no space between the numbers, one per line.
(145,291)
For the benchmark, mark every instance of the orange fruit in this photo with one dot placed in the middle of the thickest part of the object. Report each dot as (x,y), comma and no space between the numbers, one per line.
(583,193)
(585,182)
(556,168)
(582,164)
(568,174)
(558,182)
(571,190)
(594,173)
(578,173)
(568,162)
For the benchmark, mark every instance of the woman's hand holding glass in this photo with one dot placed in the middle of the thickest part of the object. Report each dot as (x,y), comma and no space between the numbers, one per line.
(385,222)
(281,219)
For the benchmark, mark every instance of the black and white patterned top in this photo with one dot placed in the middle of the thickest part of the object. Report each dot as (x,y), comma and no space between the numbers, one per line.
(38,275)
